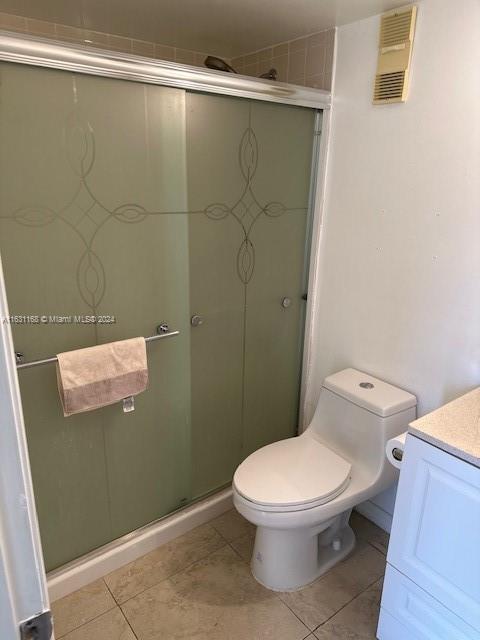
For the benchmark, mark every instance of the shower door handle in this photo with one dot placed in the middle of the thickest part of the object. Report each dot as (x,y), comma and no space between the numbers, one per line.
(196,320)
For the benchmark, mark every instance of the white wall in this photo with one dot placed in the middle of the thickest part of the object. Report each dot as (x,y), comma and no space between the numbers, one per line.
(399,273)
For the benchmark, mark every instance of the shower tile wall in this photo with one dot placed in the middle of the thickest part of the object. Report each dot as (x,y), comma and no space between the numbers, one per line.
(305,61)
(100,40)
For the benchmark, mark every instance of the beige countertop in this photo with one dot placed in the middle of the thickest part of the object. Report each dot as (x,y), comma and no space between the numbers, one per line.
(455,427)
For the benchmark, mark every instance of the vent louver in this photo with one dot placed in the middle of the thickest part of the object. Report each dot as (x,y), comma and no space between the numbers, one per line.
(394,55)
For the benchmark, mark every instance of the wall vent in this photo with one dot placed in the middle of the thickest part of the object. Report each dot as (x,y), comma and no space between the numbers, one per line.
(394,55)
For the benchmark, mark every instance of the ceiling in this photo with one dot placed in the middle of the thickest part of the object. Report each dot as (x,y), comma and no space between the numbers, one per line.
(223,27)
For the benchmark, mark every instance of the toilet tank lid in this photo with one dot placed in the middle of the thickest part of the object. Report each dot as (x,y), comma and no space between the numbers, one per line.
(370,393)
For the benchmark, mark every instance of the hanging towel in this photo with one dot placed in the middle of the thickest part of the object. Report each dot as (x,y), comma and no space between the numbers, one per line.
(98,376)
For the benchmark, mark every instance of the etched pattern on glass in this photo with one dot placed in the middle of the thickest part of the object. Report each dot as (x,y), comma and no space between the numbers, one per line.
(85,214)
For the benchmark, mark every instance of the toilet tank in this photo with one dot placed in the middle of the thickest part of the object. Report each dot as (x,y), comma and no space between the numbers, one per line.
(357,414)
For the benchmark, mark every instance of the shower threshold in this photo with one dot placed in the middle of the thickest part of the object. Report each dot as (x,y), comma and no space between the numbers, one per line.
(115,554)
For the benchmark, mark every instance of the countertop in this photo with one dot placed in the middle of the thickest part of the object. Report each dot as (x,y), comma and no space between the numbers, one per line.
(455,427)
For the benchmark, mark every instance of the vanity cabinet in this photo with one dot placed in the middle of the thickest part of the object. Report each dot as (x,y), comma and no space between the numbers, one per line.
(432,582)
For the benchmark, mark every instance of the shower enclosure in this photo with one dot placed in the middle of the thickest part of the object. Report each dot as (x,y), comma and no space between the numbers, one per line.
(124,205)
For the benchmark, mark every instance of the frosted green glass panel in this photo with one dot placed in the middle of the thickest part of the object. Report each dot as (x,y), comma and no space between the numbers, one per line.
(93,199)
(215,126)
(273,333)
(249,167)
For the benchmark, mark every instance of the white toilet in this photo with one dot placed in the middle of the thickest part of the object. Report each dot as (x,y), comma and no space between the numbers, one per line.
(300,491)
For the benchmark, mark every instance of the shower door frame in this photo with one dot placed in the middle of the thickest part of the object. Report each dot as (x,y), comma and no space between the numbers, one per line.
(58,55)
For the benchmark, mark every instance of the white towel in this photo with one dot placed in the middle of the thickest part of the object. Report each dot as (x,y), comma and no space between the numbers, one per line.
(98,376)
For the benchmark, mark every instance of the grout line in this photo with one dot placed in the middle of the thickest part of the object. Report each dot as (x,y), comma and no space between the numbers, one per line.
(276,594)
(238,553)
(310,631)
(86,622)
(128,622)
(383,553)
(347,603)
(121,610)
(172,575)
(278,44)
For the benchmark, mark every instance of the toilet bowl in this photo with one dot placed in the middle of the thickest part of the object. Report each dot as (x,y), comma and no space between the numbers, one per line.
(299,492)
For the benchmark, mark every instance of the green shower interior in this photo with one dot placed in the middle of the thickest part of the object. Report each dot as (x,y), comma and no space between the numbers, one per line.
(151,204)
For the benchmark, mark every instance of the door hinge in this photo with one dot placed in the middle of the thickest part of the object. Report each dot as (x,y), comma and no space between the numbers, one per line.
(38,627)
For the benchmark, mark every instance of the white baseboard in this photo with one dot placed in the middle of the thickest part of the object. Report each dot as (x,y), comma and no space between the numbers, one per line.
(99,563)
(376,514)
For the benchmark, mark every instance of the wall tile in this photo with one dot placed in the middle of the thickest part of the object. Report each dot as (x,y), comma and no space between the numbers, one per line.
(317,81)
(252,69)
(97,38)
(12,23)
(316,39)
(164,52)
(238,62)
(199,59)
(119,43)
(328,81)
(315,62)
(40,27)
(280,50)
(329,52)
(280,63)
(251,58)
(184,56)
(330,37)
(143,48)
(65,32)
(265,54)
(300,44)
(301,61)
(296,66)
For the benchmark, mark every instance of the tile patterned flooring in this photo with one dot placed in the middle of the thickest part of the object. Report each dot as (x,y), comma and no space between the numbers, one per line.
(199,586)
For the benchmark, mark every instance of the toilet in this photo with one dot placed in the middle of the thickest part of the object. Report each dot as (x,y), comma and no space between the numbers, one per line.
(299,492)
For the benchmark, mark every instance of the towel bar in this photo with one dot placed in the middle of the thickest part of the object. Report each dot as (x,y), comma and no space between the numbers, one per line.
(162,333)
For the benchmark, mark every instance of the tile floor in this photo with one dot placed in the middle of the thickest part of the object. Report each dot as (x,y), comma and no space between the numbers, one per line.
(199,586)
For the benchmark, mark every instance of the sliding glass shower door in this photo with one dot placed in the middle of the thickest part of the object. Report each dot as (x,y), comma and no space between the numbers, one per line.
(248,167)
(136,205)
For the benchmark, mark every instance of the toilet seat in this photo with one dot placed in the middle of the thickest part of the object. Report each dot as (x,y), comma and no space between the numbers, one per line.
(291,475)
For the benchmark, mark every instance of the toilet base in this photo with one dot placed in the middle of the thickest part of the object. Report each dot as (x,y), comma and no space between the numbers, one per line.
(288,560)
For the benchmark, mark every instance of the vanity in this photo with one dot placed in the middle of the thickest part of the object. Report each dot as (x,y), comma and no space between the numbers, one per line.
(432,581)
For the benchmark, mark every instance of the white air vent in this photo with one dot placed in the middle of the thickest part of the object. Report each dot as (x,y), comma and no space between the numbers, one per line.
(394,55)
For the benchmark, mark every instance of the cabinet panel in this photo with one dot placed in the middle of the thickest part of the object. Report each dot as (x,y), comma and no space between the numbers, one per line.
(421,616)
(389,628)
(436,528)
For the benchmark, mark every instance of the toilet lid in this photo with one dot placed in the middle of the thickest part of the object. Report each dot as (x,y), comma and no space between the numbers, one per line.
(293,472)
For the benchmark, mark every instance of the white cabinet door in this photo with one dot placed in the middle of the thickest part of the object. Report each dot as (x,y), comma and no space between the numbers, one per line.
(435,537)
(409,612)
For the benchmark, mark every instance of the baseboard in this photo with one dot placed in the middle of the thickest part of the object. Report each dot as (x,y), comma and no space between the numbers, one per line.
(97,564)
(376,514)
